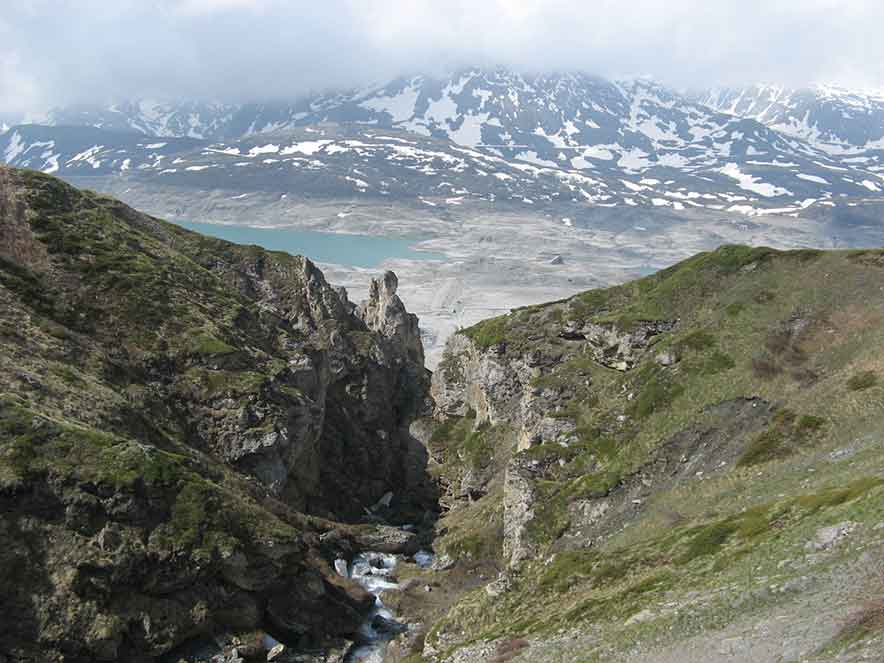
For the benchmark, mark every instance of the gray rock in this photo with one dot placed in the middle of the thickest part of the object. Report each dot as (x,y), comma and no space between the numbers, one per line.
(828,537)
(666,358)
(386,539)
(384,502)
(518,511)
(640,617)
(342,568)
(387,626)
(385,313)
(442,562)
(497,587)
(276,652)
(349,306)
(612,347)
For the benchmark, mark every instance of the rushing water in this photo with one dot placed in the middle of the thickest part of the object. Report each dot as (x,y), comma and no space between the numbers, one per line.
(338,248)
(375,572)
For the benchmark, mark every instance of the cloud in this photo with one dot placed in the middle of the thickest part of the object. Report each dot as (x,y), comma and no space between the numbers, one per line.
(68,51)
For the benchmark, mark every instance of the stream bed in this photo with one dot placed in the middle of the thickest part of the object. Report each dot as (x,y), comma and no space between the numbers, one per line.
(376,573)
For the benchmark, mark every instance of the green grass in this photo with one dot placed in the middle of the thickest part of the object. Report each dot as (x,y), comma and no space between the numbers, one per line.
(488,332)
(602,586)
(786,434)
(656,394)
(206,344)
(862,381)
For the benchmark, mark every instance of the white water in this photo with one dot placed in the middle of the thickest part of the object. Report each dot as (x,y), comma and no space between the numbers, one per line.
(374,571)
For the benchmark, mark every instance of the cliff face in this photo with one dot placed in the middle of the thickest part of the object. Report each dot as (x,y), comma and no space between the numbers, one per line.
(503,384)
(170,405)
(651,468)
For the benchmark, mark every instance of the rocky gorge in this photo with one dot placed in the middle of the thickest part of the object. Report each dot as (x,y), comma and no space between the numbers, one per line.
(188,427)
(207,452)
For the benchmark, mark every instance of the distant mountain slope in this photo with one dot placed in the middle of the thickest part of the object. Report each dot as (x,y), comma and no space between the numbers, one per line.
(154,118)
(485,134)
(836,120)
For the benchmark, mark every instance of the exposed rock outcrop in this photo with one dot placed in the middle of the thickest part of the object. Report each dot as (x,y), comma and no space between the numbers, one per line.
(385,314)
(518,508)
(504,385)
(612,347)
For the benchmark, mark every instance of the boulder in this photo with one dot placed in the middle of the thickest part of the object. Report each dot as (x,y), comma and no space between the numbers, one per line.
(385,539)
(387,626)
(829,537)
(276,652)
(666,358)
(342,568)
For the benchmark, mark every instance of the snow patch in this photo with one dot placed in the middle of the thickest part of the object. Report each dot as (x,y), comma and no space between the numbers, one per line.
(811,178)
(263,149)
(308,147)
(754,184)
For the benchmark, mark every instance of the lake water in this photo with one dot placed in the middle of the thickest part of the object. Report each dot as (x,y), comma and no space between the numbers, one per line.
(352,250)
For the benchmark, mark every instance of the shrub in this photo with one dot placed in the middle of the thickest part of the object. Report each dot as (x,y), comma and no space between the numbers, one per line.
(765,367)
(708,540)
(508,650)
(862,381)
(785,434)
(865,622)
(698,340)
(656,395)
(808,424)
(734,309)
(717,362)
(488,332)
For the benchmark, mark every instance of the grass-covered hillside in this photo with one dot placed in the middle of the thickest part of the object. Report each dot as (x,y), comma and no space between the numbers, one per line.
(687,467)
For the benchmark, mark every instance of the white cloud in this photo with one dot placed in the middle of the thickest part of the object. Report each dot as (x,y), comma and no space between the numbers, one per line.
(93,50)
(18,92)
(202,7)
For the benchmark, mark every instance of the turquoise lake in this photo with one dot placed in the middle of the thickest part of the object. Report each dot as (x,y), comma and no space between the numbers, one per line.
(353,250)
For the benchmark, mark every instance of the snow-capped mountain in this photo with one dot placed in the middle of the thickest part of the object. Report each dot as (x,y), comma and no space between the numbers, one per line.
(153,118)
(833,119)
(492,135)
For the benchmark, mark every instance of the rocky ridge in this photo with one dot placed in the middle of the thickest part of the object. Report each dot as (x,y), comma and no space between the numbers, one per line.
(185,425)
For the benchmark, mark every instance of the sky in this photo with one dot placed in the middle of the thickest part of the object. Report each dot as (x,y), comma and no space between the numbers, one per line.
(60,52)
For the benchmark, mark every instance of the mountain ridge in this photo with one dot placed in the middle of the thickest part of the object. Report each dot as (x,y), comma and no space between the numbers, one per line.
(564,137)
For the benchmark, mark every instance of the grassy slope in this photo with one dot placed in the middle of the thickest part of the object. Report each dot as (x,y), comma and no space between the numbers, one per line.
(801,330)
(125,301)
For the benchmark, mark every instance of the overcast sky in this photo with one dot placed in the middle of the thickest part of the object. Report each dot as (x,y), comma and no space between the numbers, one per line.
(55,52)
